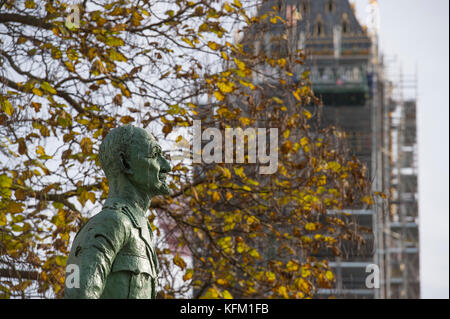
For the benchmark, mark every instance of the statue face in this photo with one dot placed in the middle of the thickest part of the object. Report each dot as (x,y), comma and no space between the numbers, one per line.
(148,166)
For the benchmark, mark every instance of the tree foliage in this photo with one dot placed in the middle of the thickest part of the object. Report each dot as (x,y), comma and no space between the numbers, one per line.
(156,64)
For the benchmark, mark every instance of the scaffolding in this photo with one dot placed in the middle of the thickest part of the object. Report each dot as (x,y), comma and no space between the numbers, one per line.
(400,226)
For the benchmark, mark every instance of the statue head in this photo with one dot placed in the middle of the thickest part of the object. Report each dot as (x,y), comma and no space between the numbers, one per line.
(132,154)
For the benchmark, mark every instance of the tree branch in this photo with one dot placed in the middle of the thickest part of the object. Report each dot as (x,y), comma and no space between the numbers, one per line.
(27,20)
(19,274)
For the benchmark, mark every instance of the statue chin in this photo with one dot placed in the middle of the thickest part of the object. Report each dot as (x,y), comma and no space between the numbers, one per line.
(162,189)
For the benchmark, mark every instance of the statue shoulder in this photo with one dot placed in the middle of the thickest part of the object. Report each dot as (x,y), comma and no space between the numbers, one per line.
(113,215)
(106,219)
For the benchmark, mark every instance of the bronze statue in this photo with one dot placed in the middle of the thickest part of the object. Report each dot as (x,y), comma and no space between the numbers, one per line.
(114,251)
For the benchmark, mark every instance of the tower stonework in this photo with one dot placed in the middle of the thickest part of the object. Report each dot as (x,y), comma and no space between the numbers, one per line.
(347,74)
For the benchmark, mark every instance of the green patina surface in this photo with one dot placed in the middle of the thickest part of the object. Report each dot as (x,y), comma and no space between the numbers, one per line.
(114,250)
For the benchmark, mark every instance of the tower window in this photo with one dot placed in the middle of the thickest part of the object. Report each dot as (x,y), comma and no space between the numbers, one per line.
(330,6)
(304,6)
(345,24)
(319,28)
(345,27)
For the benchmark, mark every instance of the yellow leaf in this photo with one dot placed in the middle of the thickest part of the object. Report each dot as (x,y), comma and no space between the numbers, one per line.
(127,119)
(188,275)
(3,220)
(30,4)
(219,96)
(274,19)
(278,100)
(91,197)
(304,141)
(247,84)
(297,94)
(292,266)
(114,42)
(224,55)
(307,114)
(244,120)
(225,243)
(225,87)
(117,56)
(213,45)
(177,260)
(239,172)
(69,66)
(302,284)
(215,197)
(329,275)
(306,272)
(86,145)
(252,220)
(37,92)
(47,87)
(221,281)
(281,62)
(240,64)
(270,276)
(72,54)
(240,247)
(211,293)
(283,292)
(5,181)
(228,7)
(226,294)
(367,199)
(6,106)
(229,196)
(255,254)
(226,172)
(334,166)
(40,150)
(188,42)
(237,3)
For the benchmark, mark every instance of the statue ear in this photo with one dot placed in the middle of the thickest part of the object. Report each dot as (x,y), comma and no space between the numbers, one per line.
(124,165)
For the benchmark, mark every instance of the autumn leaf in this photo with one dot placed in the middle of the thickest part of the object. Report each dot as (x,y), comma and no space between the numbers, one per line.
(48,88)
(6,106)
(219,96)
(188,275)
(177,260)
(213,45)
(117,56)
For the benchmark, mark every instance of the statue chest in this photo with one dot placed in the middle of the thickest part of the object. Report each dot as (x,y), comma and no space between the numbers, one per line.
(134,271)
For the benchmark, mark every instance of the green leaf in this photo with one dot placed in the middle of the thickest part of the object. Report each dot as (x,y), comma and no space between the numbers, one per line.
(116,56)
(47,87)
(5,181)
(114,42)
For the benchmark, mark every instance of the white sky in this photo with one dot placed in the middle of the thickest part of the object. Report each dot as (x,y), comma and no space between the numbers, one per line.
(417,32)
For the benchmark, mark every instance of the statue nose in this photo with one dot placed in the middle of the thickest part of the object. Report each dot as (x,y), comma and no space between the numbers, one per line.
(165,165)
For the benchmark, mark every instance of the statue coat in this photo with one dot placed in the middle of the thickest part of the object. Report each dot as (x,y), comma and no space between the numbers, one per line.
(115,254)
